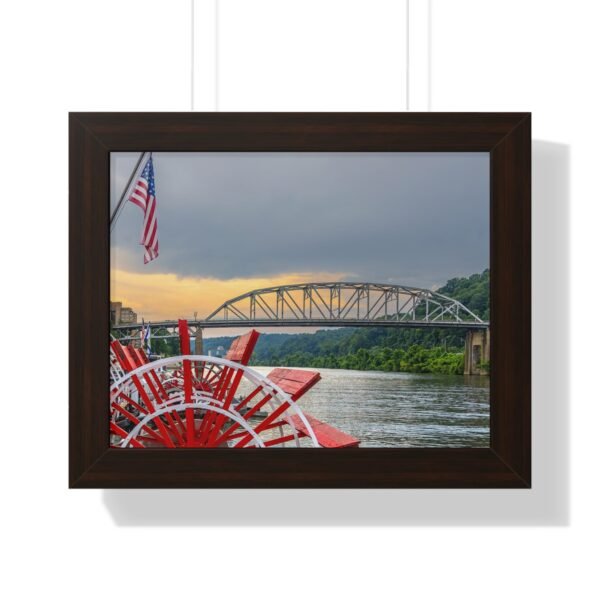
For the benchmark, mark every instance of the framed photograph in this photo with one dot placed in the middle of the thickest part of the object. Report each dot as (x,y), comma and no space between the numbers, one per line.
(304,300)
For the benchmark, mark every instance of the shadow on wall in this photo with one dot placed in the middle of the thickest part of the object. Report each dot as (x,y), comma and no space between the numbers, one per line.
(547,503)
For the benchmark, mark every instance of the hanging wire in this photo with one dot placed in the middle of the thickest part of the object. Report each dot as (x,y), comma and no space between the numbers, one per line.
(217,55)
(192,44)
(407,54)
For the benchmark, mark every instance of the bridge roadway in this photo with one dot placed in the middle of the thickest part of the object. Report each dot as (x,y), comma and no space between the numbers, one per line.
(158,326)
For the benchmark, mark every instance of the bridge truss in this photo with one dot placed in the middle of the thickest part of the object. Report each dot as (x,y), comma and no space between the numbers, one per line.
(334,304)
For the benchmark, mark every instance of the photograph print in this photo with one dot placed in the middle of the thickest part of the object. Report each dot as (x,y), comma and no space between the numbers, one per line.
(299,299)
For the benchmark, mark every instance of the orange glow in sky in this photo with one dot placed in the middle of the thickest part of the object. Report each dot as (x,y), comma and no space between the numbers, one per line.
(166,296)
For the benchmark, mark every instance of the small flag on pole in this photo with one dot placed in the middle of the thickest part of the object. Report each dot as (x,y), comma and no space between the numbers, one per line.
(144,196)
(147,335)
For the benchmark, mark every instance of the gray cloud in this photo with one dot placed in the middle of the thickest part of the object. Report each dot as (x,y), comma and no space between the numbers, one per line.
(414,218)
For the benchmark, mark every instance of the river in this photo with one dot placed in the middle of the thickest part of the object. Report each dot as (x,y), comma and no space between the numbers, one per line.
(402,409)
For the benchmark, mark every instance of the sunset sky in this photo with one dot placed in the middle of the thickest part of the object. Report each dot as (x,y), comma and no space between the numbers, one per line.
(232,222)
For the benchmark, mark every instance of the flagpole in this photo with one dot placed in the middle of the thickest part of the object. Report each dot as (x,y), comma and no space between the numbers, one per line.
(116,212)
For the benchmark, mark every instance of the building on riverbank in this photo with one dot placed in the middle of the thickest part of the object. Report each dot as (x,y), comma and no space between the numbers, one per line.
(121,315)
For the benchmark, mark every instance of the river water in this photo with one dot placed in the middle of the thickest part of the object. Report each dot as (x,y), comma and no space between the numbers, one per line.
(402,409)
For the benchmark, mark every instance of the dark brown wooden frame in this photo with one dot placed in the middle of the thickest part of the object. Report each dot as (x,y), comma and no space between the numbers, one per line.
(506,136)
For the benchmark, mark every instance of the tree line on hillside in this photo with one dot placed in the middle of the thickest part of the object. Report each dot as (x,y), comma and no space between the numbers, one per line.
(415,359)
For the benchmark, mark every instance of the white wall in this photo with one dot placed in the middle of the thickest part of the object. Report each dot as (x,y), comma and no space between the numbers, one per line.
(134,55)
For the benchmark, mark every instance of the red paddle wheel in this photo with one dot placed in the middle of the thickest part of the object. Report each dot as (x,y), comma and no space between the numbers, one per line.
(197,401)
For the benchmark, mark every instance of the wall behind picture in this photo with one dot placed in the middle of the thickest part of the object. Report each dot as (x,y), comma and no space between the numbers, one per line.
(298,55)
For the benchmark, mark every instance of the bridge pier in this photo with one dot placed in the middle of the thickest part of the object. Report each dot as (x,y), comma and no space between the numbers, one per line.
(477,351)
(198,344)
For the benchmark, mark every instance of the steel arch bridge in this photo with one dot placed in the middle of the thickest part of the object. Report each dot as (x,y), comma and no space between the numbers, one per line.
(331,304)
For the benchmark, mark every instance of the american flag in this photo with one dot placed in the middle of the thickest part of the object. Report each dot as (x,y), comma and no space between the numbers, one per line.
(144,196)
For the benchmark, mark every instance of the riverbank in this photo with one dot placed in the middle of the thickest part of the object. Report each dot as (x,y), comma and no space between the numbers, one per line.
(416,359)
